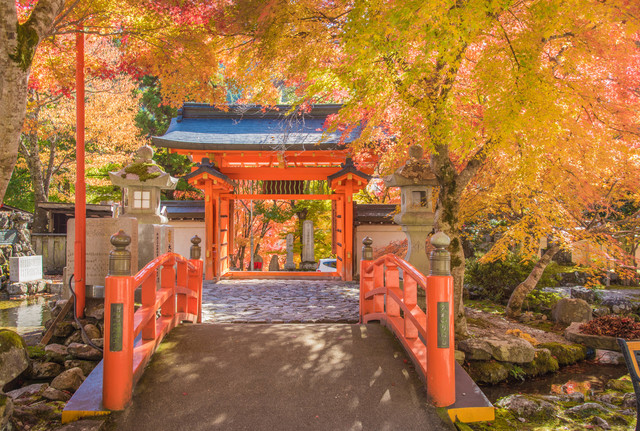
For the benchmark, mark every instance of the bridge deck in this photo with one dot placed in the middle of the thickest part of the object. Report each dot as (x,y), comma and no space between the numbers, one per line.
(279,377)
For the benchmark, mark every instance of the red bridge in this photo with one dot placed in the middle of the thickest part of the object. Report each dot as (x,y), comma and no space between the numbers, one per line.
(279,376)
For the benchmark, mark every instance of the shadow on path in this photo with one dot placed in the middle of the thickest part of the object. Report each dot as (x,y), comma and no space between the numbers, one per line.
(279,377)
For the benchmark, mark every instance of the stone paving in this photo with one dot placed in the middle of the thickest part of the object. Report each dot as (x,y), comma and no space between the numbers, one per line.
(280,301)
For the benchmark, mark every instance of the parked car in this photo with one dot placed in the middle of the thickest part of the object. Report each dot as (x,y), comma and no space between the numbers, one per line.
(327,265)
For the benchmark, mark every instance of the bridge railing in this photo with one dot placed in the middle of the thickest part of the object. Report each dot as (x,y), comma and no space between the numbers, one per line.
(427,335)
(131,337)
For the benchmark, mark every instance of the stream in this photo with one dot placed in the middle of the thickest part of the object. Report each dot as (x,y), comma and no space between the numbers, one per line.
(26,315)
(586,371)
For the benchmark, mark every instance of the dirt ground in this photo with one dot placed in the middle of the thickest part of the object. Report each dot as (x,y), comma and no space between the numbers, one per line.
(484,324)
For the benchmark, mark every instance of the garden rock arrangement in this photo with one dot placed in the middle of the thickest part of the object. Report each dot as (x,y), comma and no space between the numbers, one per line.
(47,376)
(494,359)
(570,407)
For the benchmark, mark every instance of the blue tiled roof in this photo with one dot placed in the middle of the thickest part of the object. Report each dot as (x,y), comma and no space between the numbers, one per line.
(202,127)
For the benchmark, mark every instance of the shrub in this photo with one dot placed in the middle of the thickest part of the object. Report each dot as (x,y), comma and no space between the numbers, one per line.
(612,326)
(499,278)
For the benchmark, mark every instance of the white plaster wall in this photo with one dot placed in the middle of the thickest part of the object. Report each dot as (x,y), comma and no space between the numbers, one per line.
(183,231)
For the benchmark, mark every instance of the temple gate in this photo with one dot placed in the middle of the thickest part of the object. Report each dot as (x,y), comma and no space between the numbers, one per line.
(274,156)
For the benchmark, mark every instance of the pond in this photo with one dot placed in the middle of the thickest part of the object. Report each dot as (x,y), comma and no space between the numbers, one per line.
(25,315)
(587,371)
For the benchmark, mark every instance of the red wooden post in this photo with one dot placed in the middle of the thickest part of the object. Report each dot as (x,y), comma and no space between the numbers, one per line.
(80,245)
(366,277)
(392,281)
(440,344)
(378,281)
(168,281)
(117,383)
(149,300)
(181,280)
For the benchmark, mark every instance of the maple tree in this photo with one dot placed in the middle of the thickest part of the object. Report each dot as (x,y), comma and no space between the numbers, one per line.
(567,195)
(37,52)
(464,79)
(47,144)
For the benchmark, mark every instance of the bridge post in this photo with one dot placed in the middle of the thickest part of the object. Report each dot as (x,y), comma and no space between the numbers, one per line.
(195,277)
(118,326)
(366,277)
(440,371)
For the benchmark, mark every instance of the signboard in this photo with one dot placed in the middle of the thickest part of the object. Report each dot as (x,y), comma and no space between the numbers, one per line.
(443,325)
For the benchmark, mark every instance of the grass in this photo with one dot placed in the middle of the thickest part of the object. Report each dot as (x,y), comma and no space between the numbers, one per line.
(485,305)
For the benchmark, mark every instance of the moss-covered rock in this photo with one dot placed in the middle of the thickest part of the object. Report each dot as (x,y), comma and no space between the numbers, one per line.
(13,356)
(565,354)
(623,384)
(527,406)
(489,371)
(586,410)
(36,352)
(543,363)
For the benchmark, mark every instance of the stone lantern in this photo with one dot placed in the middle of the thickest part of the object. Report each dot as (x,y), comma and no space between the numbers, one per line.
(142,182)
(415,180)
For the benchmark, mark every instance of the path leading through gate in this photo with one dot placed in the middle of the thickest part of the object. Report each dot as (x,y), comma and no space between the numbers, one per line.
(280,301)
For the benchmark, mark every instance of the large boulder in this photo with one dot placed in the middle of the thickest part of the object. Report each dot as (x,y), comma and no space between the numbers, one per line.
(542,363)
(565,354)
(581,292)
(14,358)
(84,351)
(92,331)
(63,329)
(491,372)
(69,380)
(56,352)
(507,349)
(569,310)
(44,370)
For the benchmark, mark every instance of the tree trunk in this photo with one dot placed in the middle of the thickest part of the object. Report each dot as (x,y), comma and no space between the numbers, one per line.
(30,150)
(447,221)
(18,43)
(514,307)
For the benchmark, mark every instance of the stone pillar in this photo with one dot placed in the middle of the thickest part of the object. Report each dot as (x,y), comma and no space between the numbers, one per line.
(308,254)
(273,263)
(289,264)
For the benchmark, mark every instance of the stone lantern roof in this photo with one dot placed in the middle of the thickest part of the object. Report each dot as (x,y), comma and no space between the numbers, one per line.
(416,171)
(143,172)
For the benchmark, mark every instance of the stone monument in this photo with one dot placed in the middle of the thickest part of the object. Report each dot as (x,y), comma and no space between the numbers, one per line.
(274,265)
(257,262)
(142,182)
(415,180)
(308,253)
(99,231)
(289,265)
